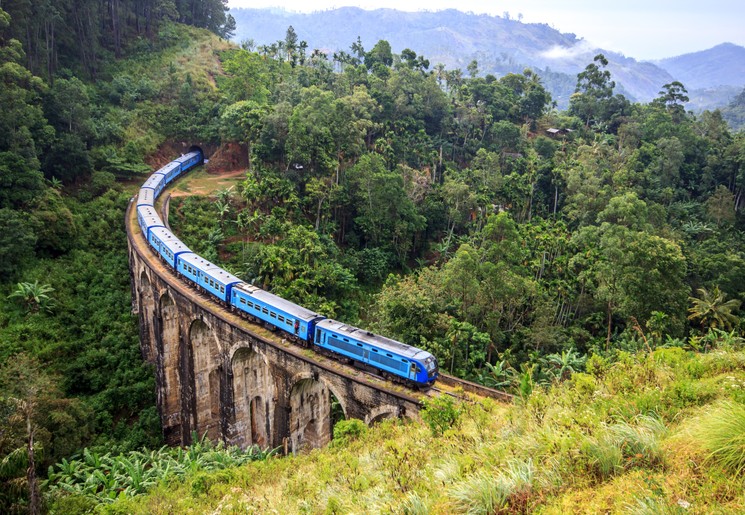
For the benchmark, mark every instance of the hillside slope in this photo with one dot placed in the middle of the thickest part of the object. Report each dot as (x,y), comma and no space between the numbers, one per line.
(631,438)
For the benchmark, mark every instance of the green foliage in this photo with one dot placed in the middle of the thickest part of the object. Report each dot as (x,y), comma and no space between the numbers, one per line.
(441,413)
(712,311)
(17,242)
(506,491)
(721,433)
(34,296)
(103,478)
(346,431)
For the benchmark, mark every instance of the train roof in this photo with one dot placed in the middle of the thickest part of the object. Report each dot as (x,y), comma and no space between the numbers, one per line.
(147,211)
(149,216)
(186,156)
(374,340)
(209,268)
(167,168)
(221,275)
(146,197)
(170,240)
(154,181)
(197,261)
(285,305)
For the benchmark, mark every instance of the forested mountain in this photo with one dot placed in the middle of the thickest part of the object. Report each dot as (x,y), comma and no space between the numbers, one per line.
(82,34)
(500,46)
(590,261)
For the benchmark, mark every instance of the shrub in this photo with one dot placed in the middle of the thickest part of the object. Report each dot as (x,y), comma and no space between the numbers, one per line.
(640,442)
(597,366)
(603,456)
(348,430)
(584,384)
(623,446)
(440,414)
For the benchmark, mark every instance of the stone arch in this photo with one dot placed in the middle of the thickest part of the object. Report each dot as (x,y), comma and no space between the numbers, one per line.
(206,361)
(310,414)
(380,413)
(170,339)
(147,309)
(254,397)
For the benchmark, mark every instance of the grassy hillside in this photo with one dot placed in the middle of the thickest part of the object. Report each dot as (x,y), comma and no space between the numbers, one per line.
(653,433)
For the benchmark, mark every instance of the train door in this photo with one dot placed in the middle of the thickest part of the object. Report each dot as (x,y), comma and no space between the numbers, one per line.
(412,371)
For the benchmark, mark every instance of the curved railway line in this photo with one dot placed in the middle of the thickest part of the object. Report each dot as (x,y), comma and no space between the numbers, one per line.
(445,384)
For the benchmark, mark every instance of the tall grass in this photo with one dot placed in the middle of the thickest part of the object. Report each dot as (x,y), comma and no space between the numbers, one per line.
(624,445)
(721,433)
(485,494)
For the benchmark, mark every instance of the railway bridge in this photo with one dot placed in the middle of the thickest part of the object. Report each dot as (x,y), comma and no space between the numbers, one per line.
(220,375)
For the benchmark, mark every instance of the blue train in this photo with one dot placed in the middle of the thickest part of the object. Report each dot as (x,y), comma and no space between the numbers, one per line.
(391,358)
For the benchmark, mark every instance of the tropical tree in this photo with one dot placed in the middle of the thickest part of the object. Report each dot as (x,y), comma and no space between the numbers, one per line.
(34,296)
(563,365)
(711,310)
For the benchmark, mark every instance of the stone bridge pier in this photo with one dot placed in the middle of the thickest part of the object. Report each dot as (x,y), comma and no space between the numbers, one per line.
(218,375)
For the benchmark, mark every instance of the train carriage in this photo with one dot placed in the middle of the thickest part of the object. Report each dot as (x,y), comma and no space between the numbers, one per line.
(383,353)
(168,246)
(148,219)
(156,182)
(189,159)
(146,197)
(170,171)
(207,275)
(274,310)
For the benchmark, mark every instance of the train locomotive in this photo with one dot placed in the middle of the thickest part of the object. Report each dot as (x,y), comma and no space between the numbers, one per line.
(390,358)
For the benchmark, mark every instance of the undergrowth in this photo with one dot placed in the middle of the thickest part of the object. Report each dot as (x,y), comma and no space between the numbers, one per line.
(592,444)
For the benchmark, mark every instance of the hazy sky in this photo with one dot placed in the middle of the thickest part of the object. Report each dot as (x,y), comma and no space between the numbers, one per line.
(644,29)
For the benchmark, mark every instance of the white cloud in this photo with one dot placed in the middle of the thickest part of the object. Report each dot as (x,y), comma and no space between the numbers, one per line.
(563,52)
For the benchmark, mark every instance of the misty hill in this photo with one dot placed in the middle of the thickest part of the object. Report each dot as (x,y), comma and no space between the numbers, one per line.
(500,45)
(722,65)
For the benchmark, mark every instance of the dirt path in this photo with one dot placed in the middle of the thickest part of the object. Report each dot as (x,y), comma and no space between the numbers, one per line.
(199,182)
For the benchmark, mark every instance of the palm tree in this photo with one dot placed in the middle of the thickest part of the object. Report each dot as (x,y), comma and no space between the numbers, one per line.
(565,364)
(712,311)
(34,296)
(500,375)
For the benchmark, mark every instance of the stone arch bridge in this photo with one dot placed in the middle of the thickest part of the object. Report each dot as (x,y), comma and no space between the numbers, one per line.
(219,375)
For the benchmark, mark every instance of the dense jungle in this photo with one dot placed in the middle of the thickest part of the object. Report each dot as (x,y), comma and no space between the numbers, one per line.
(590,261)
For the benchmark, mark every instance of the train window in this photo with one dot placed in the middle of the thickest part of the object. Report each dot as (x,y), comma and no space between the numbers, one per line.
(288,322)
(281,318)
(273,314)
(249,304)
(243,301)
(375,350)
(318,335)
(264,310)
(405,361)
(389,355)
(222,289)
(345,339)
(359,345)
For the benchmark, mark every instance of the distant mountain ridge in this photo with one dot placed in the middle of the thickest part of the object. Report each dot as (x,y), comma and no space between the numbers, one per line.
(502,45)
(722,65)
